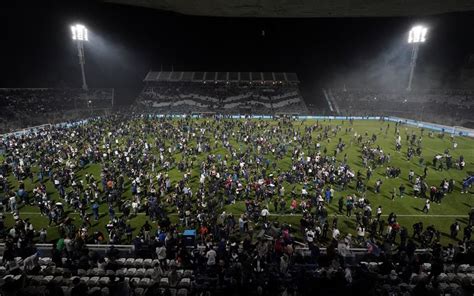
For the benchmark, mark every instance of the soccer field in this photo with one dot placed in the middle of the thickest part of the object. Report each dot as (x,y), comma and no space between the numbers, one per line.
(454,206)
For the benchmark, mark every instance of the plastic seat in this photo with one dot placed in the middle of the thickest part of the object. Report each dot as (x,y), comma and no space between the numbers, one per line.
(463,268)
(182,292)
(148,263)
(58,280)
(45,261)
(149,272)
(184,283)
(84,279)
(46,279)
(131,272)
(109,272)
(104,281)
(139,291)
(93,281)
(138,263)
(164,282)
(121,272)
(121,261)
(442,278)
(144,282)
(94,290)
(81,272)
(130,262)
(140,272)
(135,281)
(105,291)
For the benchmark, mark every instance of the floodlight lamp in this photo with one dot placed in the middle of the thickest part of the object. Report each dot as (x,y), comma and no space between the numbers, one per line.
(417,34)
(79,32)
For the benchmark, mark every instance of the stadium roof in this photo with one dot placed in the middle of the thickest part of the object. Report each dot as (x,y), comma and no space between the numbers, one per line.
(221,76)
(304,8)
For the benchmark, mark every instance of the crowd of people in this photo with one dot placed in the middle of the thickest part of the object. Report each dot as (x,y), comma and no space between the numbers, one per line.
(187,174)
(27,107)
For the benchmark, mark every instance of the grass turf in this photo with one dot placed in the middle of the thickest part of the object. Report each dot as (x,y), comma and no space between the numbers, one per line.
(454,206)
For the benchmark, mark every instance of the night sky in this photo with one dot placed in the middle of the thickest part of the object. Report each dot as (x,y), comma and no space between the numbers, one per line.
(126,42)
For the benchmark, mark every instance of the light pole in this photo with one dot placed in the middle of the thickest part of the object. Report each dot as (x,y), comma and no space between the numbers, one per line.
(79,34)
(416,36)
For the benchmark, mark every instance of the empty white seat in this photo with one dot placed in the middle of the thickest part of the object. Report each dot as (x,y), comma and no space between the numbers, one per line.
(58,280)
(463,268)
(105,291)
(121,272)
(93,281)
(94,290)
(138,263)
(130,262)
(121,261)
(140,272)
(44,260)
(104,280)
(100,272)
(184,283)
(84,279)
(442,277)
(131,272)
(149,272)
(144,282)
(164,282)
(135,281)
(46,279)
(147,263)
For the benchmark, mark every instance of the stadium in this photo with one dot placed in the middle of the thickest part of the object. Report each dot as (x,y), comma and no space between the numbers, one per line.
(237,148)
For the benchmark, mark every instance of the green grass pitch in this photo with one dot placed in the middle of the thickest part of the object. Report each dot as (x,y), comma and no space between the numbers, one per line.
(454,206)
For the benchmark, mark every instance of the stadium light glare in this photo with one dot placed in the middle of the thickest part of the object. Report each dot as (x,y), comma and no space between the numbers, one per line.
(79,32)
(79,35)
(417,34)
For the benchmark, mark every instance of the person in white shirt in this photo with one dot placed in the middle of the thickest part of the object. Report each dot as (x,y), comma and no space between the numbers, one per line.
(335,233)
(265,213)
(310,235)
(211,257)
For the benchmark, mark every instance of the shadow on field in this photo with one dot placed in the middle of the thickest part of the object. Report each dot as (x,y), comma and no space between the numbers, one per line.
(417,209)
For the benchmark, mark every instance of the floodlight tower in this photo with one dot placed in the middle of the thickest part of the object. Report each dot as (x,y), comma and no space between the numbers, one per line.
(416,36)
(79,34)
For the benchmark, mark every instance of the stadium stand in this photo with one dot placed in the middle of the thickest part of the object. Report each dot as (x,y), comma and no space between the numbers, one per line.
(222,92)
(27,107)
(442,106)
